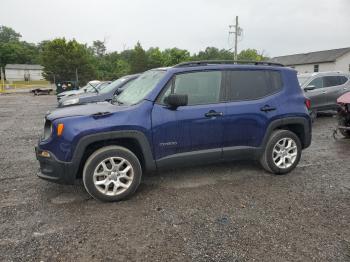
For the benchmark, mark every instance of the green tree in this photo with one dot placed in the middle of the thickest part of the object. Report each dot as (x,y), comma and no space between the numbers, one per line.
(122,68)
(154,58)
(175,56)
(7,34)
(138,61)
(213,53)
(251,55)
(14,51)
(62,58)
(18,53)
(99,48)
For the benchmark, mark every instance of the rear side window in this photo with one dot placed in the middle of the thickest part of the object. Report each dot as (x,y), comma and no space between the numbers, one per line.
(251,84)
(201,87)
(331,81)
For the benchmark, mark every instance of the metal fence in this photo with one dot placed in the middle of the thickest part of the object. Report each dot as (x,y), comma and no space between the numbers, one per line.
(21,86)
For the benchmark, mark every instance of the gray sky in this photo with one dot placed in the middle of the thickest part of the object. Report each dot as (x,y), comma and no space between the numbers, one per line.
(278,27)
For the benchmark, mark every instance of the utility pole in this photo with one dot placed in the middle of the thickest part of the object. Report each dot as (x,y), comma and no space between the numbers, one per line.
(76,76)
(237,32)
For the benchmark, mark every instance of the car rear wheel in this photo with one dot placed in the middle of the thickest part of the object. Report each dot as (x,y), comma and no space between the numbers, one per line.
(345,133)
(313,115)
(112,173)
(282,153)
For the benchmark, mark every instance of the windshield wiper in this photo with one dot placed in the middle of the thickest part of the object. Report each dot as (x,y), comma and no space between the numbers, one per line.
(116,101)
(94,88)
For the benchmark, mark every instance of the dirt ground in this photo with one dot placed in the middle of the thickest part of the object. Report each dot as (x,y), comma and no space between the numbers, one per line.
(225,212)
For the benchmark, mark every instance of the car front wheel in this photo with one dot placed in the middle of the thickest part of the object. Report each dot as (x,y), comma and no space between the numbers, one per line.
(112,173)
(282,152)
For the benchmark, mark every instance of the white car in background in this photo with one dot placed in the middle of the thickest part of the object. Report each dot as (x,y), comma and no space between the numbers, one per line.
(87,88)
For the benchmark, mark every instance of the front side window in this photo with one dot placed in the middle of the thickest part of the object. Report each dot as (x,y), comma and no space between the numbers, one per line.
(316,83)
(251,84)
(201,87)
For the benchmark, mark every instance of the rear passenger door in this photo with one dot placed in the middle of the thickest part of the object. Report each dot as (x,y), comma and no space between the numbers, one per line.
(334,86)
(252,103)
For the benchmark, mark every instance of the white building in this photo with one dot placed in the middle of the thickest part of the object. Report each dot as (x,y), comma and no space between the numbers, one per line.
(17,72)
(321,61)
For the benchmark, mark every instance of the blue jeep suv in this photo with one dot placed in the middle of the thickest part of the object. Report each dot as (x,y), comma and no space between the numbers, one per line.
(192,113)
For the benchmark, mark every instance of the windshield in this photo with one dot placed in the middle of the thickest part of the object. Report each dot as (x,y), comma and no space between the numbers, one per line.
(141,87)
(303,79)
(102,85)
(112,85)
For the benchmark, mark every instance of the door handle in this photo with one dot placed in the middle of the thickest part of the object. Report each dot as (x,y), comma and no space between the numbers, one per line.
(267,108)
(324,92)
(213,113)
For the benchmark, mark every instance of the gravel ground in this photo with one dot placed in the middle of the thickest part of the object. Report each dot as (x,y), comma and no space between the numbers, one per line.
(225,212)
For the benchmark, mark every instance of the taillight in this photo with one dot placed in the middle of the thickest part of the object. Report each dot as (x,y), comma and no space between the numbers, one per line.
(308,103)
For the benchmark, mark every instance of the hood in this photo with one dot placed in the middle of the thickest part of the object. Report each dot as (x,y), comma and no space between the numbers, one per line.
(79,95)
(344,99)
(72,92)
(87,94)
(102,108)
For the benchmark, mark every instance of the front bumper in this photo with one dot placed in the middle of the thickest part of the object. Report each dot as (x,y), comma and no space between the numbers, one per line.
(53,170)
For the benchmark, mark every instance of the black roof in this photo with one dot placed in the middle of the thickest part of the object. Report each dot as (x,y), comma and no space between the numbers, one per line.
(227,62)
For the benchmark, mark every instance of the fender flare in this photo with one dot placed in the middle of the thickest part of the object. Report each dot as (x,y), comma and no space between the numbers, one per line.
(303,121)
(140,137)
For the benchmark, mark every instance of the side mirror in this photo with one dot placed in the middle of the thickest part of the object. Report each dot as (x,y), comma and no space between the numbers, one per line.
(176,100)
(85,90)
(310,87)
(118,92)
(114,99)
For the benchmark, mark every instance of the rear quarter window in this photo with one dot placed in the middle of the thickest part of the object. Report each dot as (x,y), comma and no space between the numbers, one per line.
(342,80)
(251,84)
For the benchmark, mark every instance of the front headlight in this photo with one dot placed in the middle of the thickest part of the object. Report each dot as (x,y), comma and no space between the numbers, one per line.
(47,129)
(70,102)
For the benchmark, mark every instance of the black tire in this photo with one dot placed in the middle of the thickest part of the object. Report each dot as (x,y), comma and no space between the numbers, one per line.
(266,159)
(102,154)
(313,115)
(345,133)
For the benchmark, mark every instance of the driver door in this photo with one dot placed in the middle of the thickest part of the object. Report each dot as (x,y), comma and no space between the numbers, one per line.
(318,94)
(192,133)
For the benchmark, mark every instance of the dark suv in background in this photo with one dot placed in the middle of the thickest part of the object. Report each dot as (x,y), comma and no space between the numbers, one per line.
(323,89)
(192,113)
(99,95)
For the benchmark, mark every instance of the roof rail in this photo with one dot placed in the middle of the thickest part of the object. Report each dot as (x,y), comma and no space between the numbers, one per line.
(228,62)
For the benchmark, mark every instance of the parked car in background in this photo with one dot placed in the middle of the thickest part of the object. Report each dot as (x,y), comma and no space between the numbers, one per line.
(344,115)
(105,94)
(87,88)
(323,89)
(63,86)
(192,113)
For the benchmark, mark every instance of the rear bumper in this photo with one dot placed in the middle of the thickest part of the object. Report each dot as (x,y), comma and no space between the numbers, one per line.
(54,170)
(307,136)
